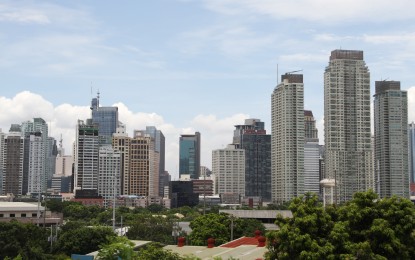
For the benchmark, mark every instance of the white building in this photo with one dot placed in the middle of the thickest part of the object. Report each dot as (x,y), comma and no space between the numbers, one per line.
(109,177)
(287,139)
(228,167)
(36,162)
(86,156)
(347,123)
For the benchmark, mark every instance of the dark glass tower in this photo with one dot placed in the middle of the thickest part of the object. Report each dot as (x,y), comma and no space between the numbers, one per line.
(253,138)
(106,118)
(190,155)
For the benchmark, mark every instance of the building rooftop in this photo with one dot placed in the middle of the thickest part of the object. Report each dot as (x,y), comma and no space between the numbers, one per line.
(241,252)
(18,206)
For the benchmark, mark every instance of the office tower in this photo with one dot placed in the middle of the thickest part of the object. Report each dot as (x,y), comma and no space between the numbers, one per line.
(253,138)
(228,167)
(35,150)
(311,154)
(160,147)
(189,155)
(391,139)
(43,155)
(109,181)
(2,136)
(411,151)
(13,161)
(348,154)
(181,194)
(106,118)
(144,163)
(287,138)
(121,142)
(86,156)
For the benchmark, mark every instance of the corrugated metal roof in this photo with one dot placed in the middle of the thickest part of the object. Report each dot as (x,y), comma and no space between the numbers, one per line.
(18,206)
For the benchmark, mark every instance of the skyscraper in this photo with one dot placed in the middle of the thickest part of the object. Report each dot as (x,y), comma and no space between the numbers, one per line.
(311,154)
(253,138)
(13,161)
(121,142)
(109,184)
(86,156)
(348,151)
(189,155)
(287,138)
(411,148)
(391,139)
(106,118)
(144,163)
(160,147)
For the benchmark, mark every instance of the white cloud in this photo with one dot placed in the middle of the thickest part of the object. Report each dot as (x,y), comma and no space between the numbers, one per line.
(319,10)
(229,40)
(62,119)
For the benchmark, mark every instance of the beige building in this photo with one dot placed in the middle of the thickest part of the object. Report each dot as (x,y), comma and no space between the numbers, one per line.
(144,163)
(121,142)
(287,139)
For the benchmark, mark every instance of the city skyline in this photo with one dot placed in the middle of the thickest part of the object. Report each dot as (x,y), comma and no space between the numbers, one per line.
(187,66)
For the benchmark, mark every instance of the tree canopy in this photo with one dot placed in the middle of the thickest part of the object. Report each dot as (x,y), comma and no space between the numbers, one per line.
(218,226)
(364,228)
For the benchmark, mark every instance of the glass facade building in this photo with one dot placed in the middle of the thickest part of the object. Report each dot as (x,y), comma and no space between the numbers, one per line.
(189,155)
(391,139)
(252,137)
(106,118)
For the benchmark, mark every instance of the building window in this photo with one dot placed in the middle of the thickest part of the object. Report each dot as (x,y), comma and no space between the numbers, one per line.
(23,215)
(1,215)
(12,215)
(34,214)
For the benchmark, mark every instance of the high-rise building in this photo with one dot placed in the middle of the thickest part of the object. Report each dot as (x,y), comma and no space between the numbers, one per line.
(39,160)
(121,142)
(13,161)
(35,149)
(109,181)
(348,150)
(189,155)
(228,167)
(2,137)
(411,151)
(160,148)
(287,138)
(253,138)
(106,118)
(144,162)
(86,156)
(311,154)
(391,139)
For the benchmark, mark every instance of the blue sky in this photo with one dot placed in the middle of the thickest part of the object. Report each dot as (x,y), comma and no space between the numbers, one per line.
(186,65)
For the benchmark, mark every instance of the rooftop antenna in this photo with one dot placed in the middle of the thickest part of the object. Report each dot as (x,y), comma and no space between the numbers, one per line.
(278,75)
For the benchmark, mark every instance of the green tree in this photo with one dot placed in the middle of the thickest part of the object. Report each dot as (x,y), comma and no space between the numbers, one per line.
(151,228)
(117,247)
(209,226)
(154,251)
(27,240)
(364,228)
(82,239)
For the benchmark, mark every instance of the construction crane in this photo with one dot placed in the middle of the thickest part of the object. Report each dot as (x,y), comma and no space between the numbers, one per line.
(291,72)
